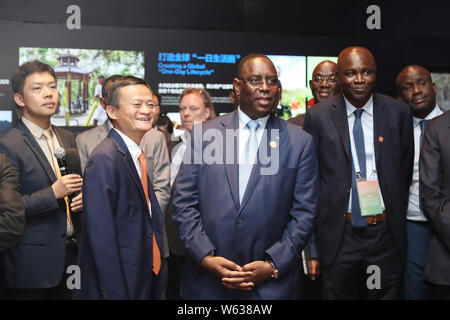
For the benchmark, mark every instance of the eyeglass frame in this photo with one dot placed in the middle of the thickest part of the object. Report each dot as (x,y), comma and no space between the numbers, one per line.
(260,82)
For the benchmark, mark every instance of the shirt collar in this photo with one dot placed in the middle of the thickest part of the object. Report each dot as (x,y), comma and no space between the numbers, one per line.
(433,114)
(133,148)
(368,107)
(244,118)
(35,130)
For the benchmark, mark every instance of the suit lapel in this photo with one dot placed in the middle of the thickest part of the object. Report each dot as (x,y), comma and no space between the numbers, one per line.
(378,127)
(231,169)
(255,176)
(36,149)
(339,116)
(128,161)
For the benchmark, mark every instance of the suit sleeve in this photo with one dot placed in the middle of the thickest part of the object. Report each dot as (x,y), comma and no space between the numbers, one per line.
(42,201)
(186,211)
(408,149)
(160,177)
(100,196)
(82,151)
(300,227)
(435,205)
(12,211)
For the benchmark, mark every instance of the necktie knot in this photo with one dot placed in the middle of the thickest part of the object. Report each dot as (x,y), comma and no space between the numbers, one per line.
(358,113)
(253,125)
(141,157)
(48,134)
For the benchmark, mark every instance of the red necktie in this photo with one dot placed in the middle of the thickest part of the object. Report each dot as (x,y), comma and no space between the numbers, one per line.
(156,253)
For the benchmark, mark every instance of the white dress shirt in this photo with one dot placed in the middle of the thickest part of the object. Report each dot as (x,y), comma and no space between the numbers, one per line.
(414,212)
(135,152)
(367,125)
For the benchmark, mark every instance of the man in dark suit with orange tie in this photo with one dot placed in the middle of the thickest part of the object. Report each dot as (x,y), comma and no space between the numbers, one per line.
(121,246)
(365,147)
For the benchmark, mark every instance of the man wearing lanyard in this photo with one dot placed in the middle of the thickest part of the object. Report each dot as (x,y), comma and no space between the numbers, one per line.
(365,146)
(416,88)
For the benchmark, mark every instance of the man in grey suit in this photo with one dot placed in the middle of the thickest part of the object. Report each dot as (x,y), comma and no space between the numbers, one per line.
(435,194)
(153,144)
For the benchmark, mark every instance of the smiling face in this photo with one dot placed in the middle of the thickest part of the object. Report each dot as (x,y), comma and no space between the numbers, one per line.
(132,117)
(257,87)
(416,89)
(39,100)
(356,74)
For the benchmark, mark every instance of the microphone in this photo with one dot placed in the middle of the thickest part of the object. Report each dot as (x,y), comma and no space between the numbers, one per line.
(68,163)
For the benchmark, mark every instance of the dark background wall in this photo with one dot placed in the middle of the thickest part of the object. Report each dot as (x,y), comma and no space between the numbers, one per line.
(411,32)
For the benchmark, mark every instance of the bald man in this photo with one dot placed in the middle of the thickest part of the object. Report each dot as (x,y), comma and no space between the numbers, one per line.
(416,88)
(365,147)
(323,85)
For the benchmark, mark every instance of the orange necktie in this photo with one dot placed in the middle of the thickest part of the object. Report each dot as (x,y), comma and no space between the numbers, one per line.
(156,253)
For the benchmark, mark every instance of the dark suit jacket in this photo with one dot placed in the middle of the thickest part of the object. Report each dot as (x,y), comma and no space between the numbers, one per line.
(394,154)
(435,193)
(116,248)
(12,211)
(298,120)
(274,220)
(38,261)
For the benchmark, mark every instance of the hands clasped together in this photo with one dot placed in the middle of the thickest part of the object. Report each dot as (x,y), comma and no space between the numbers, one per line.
(235,277)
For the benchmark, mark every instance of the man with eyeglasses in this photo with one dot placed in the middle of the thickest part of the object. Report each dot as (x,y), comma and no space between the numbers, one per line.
(323,85)
(244,226)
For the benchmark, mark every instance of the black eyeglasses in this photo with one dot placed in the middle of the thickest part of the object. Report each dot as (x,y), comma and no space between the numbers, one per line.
(257,82)
(330,79)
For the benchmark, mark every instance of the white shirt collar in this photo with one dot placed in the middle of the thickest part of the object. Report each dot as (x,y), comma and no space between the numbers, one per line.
(244,118)
(368,107)
(35,130)
(433,114)
(133,148)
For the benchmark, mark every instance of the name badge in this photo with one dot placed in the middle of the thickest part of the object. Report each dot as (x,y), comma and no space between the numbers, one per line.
(369,197)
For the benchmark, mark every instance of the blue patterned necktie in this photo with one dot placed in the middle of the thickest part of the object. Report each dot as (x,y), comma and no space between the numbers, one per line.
(422,124)
(358,136)
(251,148)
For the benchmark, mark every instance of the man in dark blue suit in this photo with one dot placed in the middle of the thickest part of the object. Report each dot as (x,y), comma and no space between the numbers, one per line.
(365,147)
(121,245)
(244,223)
(36,268)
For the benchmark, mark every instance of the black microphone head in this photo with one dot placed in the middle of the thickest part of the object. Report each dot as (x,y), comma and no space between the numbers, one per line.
(59,153)
(73,160)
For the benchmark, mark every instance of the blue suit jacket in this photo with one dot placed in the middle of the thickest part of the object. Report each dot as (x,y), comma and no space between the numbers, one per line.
(116,247)
(275,218)
(394,155)
(38,261)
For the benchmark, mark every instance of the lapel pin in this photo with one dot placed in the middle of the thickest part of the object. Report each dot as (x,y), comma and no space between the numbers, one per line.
(380,138)
(273,144)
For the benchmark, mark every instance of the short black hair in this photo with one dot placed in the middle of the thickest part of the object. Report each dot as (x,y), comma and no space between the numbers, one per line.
(24,70)
(247,58)
(113,93)
(113,79)
(164,120)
